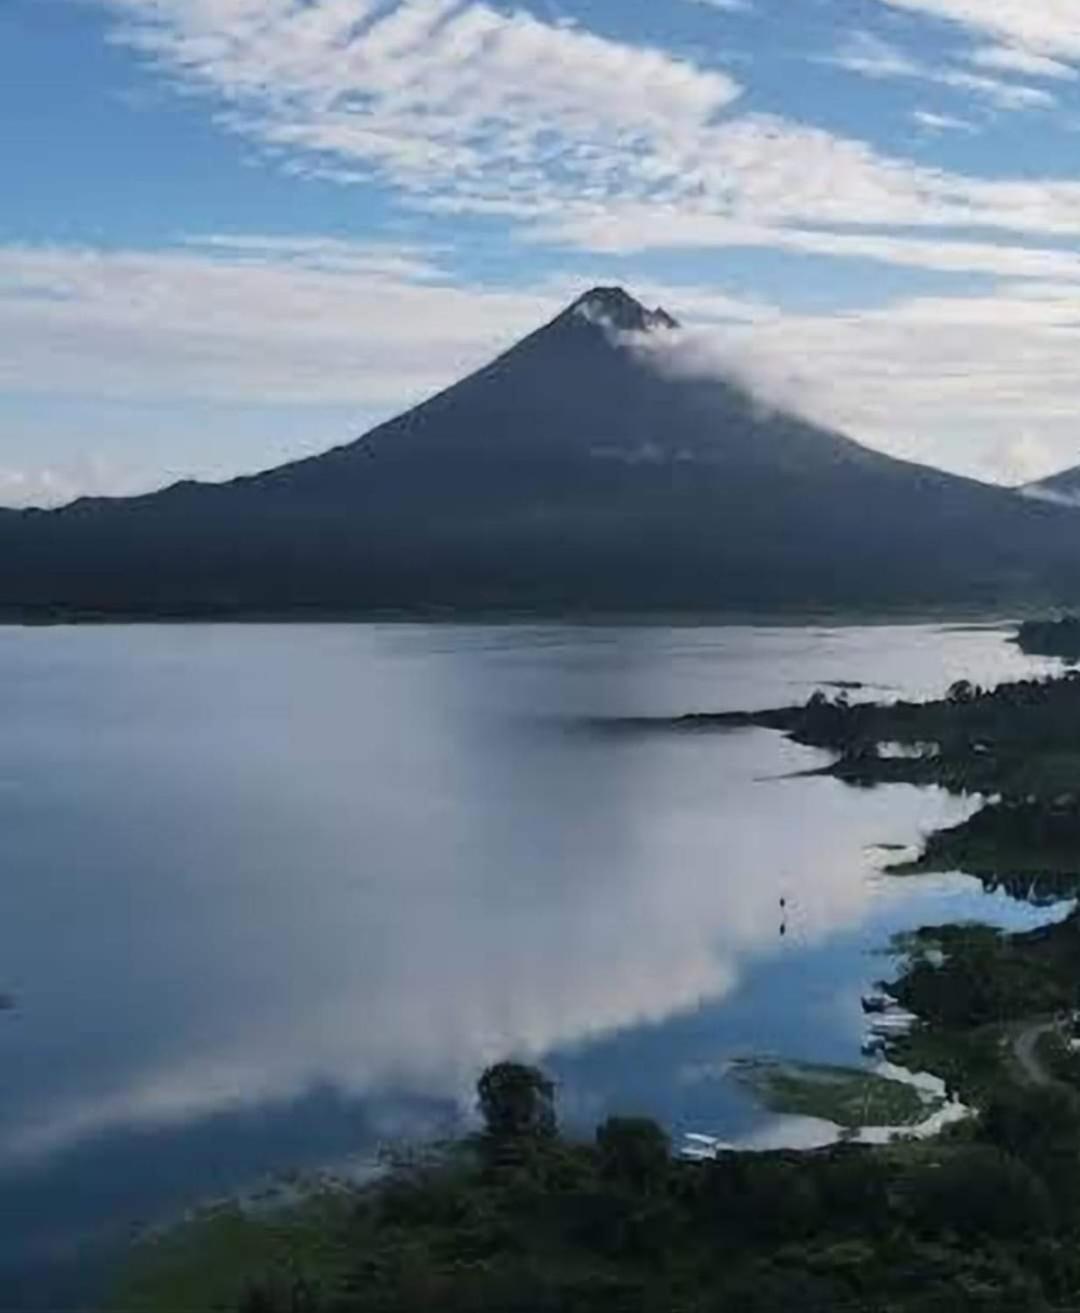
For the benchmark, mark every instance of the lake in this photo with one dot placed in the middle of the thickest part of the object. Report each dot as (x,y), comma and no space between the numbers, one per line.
(273,895)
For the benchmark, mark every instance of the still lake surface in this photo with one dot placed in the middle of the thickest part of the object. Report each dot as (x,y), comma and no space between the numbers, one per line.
(272,896)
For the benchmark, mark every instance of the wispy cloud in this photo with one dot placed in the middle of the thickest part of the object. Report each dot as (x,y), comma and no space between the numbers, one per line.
(466,109)
(413,262)
(1004,95)
(1014,59)
(625,230)
(239,319)
(951,381)
(934,122)
(730,6)
(432,94)
(871,56)
(1042,27)
(52,485)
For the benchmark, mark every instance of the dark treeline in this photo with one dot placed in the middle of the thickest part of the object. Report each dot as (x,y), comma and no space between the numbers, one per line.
(1017,745)
(980,976)
(1029,848)
(1016,717)
(1057,638)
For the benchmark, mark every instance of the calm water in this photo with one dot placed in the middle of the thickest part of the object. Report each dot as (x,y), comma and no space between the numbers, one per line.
(274,895)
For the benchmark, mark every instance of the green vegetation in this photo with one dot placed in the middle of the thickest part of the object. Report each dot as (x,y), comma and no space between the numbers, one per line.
(977,992)
(851,1097)
(1030,848)
(971,1062)
(971,976)
(1016,740)
(520,1220)
(213,1260)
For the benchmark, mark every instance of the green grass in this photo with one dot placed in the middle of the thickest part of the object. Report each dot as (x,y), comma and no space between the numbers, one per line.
(210,1261)
(847,1096)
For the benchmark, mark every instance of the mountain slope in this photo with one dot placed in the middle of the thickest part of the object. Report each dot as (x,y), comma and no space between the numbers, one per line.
(1060,489)
(568,473)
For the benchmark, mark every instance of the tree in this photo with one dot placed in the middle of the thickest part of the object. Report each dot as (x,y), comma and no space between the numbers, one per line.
(517,1102)
(980,1192)
(633,1150)
(1037,1125)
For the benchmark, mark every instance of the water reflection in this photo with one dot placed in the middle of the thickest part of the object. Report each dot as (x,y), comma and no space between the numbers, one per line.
(259,875)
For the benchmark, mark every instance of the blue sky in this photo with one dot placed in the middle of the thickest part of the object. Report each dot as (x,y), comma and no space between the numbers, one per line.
(234,231)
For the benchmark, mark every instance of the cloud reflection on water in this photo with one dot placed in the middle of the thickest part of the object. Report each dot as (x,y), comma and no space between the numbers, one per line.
(256,861)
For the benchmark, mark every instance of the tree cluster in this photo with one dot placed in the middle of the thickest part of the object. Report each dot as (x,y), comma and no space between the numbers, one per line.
(521,1220)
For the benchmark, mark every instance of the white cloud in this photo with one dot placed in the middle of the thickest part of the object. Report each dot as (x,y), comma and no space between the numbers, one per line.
(287,338)
(1014,59)
(871,56)
(328,254)
(982,385)
(242,319)
(935,122)
(470,110)
(54,485)
(428,90)
(1047,27)
(1004,95)
(625,230)
(1024,456)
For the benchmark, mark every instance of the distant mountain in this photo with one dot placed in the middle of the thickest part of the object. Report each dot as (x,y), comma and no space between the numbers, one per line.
(570,474)
(1060,489)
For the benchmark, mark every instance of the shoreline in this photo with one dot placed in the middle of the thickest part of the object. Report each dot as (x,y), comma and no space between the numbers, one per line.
(953,618)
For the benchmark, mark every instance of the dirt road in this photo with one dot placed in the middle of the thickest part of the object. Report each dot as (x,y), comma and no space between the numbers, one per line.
(1025,1045)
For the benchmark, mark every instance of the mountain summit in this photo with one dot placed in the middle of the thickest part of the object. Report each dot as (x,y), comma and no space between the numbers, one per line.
(571,473)
(615,309)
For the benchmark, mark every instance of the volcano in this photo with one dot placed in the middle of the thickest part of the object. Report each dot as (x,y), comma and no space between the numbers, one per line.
(575,473)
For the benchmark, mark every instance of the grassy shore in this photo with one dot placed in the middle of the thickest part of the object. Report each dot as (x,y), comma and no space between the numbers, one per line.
(849,1097)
